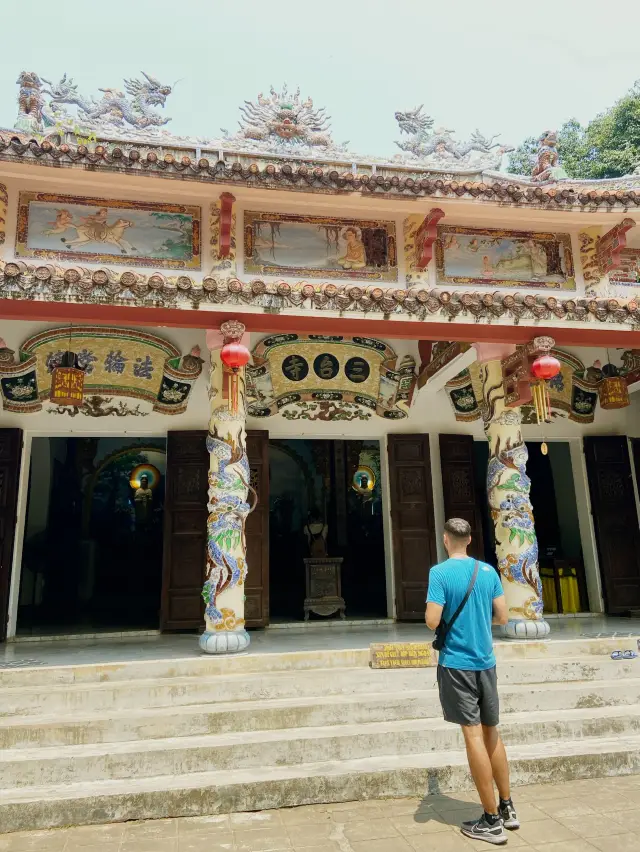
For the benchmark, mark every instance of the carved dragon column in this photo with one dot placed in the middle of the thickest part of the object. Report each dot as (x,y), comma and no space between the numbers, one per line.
(228,505)
(508,489)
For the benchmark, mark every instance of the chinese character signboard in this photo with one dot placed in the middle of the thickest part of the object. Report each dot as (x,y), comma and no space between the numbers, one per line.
(402,655)
(290,369)
(109,361)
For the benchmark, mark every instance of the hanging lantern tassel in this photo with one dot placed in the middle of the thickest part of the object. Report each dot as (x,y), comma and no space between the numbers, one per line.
(542,402)
(233,395)
(235,357)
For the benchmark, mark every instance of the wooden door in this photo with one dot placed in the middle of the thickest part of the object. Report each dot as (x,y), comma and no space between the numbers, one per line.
(256,605)
(10,453)
(413,529)
(615,520)
(185,531)
(459,487)
(635,443)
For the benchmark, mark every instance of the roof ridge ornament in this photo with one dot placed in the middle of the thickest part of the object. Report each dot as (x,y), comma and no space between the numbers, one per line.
(283,123)
(547,165)
(115,111)
(437,148)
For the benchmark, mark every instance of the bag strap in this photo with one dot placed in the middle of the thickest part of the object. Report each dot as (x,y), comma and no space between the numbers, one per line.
(466,597)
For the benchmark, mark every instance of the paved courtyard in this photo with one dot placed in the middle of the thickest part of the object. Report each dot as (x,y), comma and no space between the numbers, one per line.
(579,816)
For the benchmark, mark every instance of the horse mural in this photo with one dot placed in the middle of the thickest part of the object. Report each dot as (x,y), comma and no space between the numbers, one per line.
(94,232)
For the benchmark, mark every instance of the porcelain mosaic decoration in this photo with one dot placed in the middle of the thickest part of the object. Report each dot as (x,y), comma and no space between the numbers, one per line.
(4,202)
(228,506)
(319,247)
(573,392)
(98,230)
(112,110)
(116,363)
(317,373)
(437,149)
(490,256)
(508,489)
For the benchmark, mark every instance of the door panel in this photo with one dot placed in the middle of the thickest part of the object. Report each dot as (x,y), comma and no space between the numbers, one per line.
(256,605)
(185,531)
(10,454)
(615,521)
(458,486)
(414,543)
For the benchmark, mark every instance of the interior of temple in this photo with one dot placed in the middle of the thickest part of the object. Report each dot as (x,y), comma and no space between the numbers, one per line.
(92,556)
(329,491)
(556,518)
(93,544)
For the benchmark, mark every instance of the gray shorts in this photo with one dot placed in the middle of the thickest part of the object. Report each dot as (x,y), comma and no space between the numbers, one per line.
(469,697)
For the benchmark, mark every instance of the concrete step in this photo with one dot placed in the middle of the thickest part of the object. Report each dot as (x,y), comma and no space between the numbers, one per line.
(256,749)
(181,691)
(200,793)
(277,714)
(200,665)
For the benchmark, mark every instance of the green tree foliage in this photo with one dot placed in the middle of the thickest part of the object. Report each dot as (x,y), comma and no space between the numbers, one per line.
(609,146)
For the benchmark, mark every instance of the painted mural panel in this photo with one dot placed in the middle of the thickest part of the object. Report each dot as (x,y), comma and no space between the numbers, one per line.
(319,247)
(501,258)
(97,230)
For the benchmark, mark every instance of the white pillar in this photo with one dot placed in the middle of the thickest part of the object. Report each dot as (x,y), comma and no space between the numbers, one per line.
(228,506)
(508,489)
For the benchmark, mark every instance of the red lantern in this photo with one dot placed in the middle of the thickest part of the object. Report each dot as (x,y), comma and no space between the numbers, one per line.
(234,356)
(545,367)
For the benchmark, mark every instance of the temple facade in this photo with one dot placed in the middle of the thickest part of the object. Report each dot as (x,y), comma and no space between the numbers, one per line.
(245,379)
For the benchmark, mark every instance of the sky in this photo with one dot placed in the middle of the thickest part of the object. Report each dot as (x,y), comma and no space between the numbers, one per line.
(514,68)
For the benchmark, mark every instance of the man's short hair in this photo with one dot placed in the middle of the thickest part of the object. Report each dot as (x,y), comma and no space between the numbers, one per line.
(458,528)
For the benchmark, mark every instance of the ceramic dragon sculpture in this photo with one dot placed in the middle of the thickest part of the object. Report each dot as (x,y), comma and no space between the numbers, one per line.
(229,485)
(508,487)
(135,108)
(282,122)
(437,147)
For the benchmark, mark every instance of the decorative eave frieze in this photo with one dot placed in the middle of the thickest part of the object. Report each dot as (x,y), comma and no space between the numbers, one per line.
(385,181)
(108,287)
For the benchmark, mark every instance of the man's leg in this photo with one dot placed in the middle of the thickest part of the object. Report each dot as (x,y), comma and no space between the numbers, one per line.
(480,766)
(498,757)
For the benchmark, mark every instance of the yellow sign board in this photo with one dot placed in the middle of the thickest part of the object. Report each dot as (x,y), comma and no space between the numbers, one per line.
(403,655)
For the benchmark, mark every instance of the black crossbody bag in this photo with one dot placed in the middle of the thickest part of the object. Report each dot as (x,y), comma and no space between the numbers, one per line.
(442,630)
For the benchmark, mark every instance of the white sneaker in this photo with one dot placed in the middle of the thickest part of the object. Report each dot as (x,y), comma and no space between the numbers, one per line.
(481,830)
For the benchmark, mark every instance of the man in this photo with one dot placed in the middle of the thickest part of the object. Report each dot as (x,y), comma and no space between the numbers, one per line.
(467,674)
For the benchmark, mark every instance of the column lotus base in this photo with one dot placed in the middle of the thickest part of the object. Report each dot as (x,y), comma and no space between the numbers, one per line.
(526,629)
(224,641)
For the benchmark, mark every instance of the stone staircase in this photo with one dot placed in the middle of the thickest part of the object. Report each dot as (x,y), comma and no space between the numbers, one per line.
(108,742)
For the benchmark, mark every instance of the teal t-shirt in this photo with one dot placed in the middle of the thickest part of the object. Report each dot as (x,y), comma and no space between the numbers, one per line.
(469,644)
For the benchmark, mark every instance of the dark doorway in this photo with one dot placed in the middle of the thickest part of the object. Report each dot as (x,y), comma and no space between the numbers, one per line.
(92,555)
(555,511)
(615,518)
(337,484)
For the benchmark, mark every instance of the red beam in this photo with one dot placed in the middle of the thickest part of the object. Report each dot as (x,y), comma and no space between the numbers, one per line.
(610,246)
(226,219)
(426,237)
(266,323)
